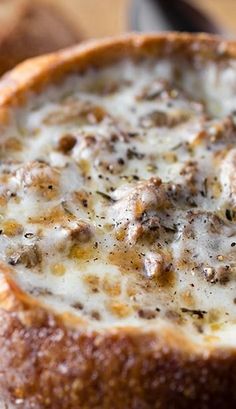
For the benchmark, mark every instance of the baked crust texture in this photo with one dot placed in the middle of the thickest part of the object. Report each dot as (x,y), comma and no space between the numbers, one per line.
(51,361)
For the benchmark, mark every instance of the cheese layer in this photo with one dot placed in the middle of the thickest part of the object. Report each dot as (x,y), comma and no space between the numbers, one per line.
(118,197)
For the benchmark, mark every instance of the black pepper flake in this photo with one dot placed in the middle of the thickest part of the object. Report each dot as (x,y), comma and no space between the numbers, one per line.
(228,215)
(233,244)
(132,154)
(132,134)
(121,161)
(28,235)
(199,313)
(205,188)
(78,305)
(96,315)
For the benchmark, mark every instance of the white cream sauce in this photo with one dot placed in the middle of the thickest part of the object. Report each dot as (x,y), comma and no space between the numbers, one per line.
(117,197)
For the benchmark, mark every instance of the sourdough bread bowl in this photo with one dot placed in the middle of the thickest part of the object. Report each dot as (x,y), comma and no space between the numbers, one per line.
(117,229)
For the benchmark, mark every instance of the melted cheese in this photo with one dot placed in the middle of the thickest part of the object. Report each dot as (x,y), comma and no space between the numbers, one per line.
(118,197)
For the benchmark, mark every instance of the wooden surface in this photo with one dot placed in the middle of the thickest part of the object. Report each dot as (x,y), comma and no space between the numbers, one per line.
(223,11)
(98,18)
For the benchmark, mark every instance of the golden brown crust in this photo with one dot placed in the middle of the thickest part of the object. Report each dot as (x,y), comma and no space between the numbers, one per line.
(46,365)
(34,73)
(50,361)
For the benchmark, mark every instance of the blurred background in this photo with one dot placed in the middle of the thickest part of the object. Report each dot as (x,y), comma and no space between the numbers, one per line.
(33,27)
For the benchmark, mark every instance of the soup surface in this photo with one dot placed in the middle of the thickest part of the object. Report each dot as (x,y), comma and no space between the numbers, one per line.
(118,195)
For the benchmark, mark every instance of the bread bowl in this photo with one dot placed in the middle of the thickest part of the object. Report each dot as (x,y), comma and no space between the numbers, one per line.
(117,226)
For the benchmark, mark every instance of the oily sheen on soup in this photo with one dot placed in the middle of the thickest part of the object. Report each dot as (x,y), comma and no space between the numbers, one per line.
(118,195)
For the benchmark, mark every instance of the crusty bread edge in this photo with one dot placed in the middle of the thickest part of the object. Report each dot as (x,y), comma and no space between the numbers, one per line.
(39,71)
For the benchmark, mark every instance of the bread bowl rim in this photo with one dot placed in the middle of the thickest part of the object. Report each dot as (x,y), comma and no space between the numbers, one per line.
(31,316)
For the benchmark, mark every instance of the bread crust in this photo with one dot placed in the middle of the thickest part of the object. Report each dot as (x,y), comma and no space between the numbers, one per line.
(53,361)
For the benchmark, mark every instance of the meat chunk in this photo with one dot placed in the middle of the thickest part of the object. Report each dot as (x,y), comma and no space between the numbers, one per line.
(190,171)
(204,244)
(219,274)
(66,143)
(40,178)
(159,89)
(212,223)
(30,256)
(221,130)
(105,149)
(168,119)
(83,112)
(80,232)
(136,210)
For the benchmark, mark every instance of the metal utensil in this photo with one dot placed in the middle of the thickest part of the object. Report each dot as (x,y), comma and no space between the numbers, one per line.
(161,15)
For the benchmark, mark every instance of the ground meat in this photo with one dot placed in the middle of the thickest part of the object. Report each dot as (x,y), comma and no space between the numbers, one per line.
(164,119)
(40,178)
(190,171)
(220,274)
(137,210)
(66,143)
(30,256)
(221,130)
(83,112)
(81,232)
(159,89)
